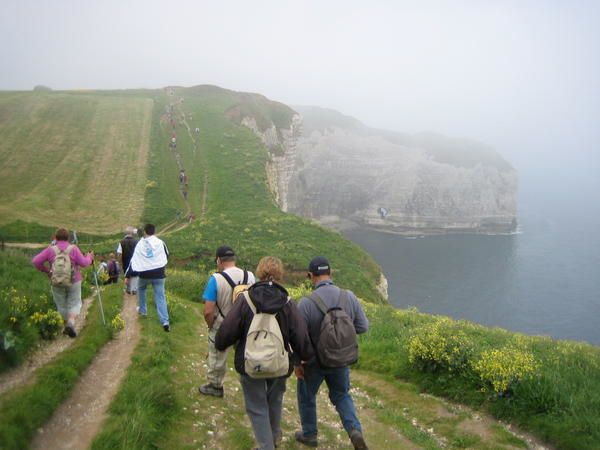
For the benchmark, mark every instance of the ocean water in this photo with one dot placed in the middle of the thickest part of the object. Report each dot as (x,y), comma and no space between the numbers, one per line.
(545,280)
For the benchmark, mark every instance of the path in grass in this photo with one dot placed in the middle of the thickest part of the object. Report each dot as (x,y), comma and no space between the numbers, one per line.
(45,353)
(76,422)
(394,414)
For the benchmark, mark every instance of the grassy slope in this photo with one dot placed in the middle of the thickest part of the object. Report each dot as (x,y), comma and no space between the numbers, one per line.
(73,159)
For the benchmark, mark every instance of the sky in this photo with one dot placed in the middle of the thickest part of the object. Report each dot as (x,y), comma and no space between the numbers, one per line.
(521,76)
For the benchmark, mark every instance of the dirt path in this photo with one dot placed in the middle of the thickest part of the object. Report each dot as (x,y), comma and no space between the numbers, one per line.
(25,244)
(77,421)
(48,350)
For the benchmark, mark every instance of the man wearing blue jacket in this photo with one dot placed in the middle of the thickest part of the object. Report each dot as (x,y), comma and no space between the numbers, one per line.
(312,374)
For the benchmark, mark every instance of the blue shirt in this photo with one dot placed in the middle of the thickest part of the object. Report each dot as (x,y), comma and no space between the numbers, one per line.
(210,292)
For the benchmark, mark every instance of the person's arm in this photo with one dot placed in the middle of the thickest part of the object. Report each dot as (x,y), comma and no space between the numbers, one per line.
(39,260)
(361,323)
(79,259)
(230,330)
(299,339)
(210,301)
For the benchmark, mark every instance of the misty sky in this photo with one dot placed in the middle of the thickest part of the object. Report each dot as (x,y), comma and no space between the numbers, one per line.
(522,76)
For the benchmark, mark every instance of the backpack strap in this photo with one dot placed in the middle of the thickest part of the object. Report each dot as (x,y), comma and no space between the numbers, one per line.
(319,302)
(245,280)
(250,302)
(228,279)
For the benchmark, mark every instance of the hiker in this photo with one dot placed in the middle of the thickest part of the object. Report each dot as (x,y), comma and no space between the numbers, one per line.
(102,271)
(334,352)
(148,262)
(264,388)
(64,261)
(113,269)
(217,303)
(197,130)
(181,176)
(125,252)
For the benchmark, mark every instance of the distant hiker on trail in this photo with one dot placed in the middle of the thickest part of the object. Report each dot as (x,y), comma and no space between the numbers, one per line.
(191,218)
(197,130)
(64,261)
(149,260)
(184,192)
(181,176)
(125,251)
(178,214)
(332,332)
(217,303)
(264,378)
(113,269)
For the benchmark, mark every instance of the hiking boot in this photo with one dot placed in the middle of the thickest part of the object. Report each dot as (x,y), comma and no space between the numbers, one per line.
(357,440)
(211,389)
(166,327)
(70,331)
(311,440)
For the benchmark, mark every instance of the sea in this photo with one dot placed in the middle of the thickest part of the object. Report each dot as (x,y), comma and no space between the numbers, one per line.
(542,280)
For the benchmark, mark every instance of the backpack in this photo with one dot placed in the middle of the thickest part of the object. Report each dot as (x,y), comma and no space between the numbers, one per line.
(337,345)
(113,269)
(236,289)
(265,355)
(61,273)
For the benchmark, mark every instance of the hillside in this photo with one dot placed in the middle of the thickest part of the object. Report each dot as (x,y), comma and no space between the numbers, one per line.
(78,159)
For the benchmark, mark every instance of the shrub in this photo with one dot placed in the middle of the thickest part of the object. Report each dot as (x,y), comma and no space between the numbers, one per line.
(501,369)
(117,323)
(440,346)
(48,324)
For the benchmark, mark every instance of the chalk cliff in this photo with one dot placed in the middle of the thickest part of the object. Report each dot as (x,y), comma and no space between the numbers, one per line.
(332,168)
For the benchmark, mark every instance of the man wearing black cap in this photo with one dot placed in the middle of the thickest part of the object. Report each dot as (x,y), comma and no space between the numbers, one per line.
(217,303)
(312,374)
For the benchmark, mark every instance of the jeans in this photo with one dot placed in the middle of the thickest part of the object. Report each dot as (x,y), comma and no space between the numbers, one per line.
(264,401)
(159,298)
(338,383)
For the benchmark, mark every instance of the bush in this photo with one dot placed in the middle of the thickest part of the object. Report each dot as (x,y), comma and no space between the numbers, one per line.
(117,323)
(440,346)
(48,324)
(501,369)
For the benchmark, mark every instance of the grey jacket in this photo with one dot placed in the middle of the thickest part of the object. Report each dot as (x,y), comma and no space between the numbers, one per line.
(330,293)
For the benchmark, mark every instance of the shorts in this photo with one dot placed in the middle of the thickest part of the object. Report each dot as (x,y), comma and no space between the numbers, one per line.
(67,299)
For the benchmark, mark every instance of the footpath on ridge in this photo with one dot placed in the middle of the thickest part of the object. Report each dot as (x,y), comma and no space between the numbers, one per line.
(77,421)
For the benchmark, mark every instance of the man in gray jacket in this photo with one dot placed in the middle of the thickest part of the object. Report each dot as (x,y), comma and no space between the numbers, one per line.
(312,374)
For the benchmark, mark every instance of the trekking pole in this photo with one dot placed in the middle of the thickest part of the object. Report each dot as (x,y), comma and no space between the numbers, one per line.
(98,292)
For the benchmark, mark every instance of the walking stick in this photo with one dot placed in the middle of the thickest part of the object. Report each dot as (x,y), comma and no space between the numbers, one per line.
(98,291)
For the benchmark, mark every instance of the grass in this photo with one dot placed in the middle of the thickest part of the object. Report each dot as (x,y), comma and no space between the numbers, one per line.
(560,403)
(73,159)
(25,409)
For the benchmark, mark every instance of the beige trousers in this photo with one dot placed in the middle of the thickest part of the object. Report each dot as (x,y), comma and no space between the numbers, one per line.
(217,361)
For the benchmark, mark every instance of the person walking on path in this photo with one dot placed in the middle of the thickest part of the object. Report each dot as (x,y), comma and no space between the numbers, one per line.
(217,304)
(113,269)
(149,260)
(327,295)
(66,292)
(125,251)
(263,397)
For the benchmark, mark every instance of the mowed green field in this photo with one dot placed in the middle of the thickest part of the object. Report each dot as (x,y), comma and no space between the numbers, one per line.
(74,159)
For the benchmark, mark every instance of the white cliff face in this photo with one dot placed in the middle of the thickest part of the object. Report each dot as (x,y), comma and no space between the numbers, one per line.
(340,175)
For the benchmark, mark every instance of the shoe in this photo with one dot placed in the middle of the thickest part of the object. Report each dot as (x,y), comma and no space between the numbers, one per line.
(210,389)
(166,327)
(70,331)
(311,440)
(357,440)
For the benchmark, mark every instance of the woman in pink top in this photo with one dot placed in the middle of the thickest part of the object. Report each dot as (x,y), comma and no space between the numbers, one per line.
(67,299)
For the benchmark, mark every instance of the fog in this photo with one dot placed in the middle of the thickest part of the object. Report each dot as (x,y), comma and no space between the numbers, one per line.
(522,76)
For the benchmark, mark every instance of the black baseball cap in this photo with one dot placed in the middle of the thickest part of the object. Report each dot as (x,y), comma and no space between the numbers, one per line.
(319,266)
(224,251)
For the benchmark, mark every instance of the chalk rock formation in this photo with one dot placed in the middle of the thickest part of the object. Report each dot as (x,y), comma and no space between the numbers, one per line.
(332,168)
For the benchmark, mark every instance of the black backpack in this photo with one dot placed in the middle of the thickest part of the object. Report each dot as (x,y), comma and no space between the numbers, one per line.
(337,345)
